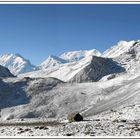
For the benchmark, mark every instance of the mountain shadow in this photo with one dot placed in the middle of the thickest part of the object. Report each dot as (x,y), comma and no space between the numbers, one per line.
(96,69)
(13,94)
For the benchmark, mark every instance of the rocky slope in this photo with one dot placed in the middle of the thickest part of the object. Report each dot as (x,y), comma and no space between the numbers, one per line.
(127,54)
(96,69)
(4,72)
(120,48)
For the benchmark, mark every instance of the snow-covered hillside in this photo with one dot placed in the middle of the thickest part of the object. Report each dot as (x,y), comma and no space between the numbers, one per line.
(16,63)
(63,72)
(127,54)
(90,68)
(52,98)
(120,48)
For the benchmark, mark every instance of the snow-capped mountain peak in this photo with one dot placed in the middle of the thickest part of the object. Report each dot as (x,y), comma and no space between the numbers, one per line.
(16,63)
(51,61)
(120,48)
(77,55)
(126,54)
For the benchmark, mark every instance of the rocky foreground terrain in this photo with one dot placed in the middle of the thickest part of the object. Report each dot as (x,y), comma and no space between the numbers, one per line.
(122,122)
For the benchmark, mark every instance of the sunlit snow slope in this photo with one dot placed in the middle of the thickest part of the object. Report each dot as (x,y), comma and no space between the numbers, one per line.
(16,63)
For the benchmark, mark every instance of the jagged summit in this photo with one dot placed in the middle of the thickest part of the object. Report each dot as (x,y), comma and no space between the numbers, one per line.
(120,48)
(16,63)
(127,54)
(52,61)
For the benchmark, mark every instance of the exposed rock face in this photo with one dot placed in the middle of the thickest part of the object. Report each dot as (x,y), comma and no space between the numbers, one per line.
(127,54)
(40,85)
(97,68)
(117,50)
(4,72)
(17,92)
(130,59)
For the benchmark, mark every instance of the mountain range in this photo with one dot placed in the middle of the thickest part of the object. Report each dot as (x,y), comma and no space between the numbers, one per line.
(85,81)
(78,66)
(18,65)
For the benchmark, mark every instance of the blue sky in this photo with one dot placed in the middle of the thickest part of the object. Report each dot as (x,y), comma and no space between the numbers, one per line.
(36,31)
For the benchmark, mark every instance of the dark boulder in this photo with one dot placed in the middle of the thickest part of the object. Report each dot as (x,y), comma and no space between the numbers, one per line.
(75,117)
(111,76)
